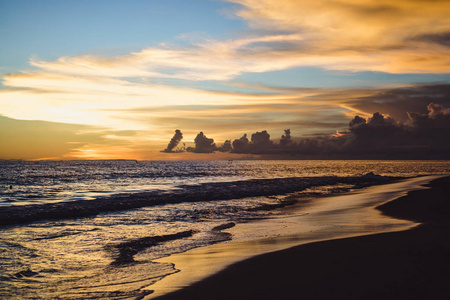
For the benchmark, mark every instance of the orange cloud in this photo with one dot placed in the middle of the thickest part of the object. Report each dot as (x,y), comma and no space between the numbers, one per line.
(388,36)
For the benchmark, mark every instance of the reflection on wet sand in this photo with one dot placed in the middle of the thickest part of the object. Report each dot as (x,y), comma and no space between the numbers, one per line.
(323,219)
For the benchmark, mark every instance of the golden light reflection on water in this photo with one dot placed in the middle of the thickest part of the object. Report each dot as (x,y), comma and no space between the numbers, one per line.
(77,259)
(73,261)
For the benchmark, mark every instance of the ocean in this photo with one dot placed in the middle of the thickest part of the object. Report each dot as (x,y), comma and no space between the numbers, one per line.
(93,229)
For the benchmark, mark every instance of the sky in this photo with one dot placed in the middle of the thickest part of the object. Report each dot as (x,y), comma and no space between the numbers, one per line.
(111,79)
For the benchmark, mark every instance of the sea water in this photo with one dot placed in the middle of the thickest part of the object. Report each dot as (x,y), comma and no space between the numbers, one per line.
(110,255)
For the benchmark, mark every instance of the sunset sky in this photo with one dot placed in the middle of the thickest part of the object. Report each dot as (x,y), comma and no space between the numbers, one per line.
(113,79)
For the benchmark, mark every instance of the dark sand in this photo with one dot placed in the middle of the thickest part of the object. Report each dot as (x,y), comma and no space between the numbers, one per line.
(412,264)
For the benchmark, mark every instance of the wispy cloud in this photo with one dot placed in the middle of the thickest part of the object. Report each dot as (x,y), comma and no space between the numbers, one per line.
(97,100)
(209,60)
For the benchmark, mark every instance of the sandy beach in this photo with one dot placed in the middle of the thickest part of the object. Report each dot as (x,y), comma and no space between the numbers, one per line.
(411,264)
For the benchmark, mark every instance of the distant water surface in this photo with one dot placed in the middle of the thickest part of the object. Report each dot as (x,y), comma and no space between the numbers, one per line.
(28,182)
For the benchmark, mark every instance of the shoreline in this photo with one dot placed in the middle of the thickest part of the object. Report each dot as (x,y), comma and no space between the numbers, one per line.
(250,250)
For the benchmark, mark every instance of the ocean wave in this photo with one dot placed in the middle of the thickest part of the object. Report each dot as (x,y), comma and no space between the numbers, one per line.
(186,193)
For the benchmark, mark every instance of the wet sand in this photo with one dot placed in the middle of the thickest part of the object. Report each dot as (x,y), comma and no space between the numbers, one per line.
(411,264)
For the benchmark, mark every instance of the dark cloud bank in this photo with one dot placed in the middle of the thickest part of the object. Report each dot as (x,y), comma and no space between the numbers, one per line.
(420,136)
